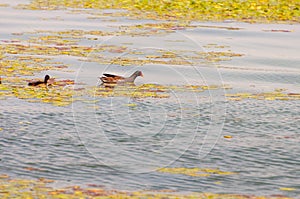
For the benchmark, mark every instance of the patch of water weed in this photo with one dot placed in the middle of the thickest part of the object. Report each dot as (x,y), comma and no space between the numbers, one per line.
(247,11)
(195,172)
(41,188)
(277,94)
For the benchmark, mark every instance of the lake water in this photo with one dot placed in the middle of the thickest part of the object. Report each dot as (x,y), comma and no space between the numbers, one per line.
(120,142)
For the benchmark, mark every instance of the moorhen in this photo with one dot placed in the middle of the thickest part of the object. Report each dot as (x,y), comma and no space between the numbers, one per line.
(35,83)
(109,79)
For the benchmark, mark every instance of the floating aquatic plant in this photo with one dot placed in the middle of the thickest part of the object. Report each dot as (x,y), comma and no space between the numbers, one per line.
(57,94)
(195,172)
(209,10)
(27,66)
(275,95)
(96,54)
(60,94)
(41,188)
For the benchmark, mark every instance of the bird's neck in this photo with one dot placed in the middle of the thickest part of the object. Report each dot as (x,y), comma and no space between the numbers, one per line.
(133,76)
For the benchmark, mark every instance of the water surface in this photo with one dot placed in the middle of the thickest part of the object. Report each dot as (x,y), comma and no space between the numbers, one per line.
(121,146)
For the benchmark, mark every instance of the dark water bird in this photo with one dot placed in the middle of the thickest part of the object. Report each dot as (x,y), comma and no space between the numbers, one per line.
(110,79)
(36,83)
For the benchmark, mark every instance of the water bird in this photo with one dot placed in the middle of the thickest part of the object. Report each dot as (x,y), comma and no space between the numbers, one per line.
(110,79)
(36,83)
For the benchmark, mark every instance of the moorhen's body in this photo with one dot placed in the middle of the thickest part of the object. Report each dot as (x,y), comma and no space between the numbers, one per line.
(109,79)
(36,83)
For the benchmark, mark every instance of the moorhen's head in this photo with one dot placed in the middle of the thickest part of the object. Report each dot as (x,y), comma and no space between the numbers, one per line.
(139,73)
(47,77)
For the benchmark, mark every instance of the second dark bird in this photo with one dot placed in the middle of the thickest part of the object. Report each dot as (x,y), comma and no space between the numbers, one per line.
(36,83)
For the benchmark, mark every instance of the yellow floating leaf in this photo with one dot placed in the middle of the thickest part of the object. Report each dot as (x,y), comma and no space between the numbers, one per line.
(131,105)
(287,189)
(195,172)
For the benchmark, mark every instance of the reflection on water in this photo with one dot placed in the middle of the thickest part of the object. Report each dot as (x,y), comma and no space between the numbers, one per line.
(121,141)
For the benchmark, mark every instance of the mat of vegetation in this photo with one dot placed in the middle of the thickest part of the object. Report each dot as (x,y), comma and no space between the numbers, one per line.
(208,10)
(41,188)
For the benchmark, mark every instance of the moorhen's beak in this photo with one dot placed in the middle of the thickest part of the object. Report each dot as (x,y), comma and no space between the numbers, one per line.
(142,74)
